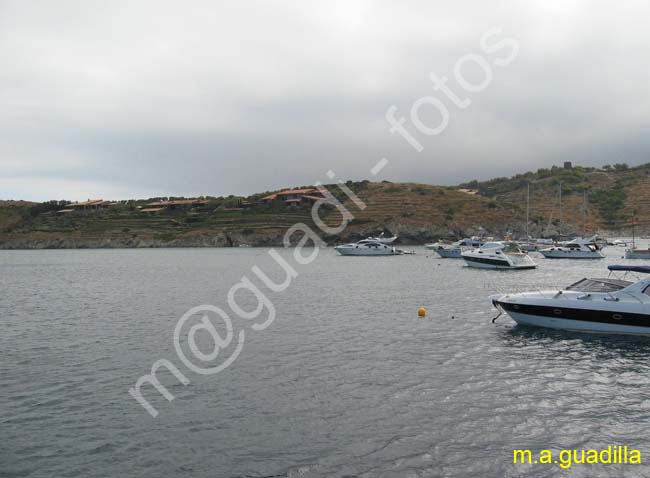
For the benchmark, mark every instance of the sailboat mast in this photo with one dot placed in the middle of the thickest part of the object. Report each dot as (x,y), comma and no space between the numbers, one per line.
(527,210)
(584,212)
(560,207)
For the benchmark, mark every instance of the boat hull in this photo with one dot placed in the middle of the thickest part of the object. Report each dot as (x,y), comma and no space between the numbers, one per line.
(365,252)
(556,316)
(449,253)
(485,263)
(571,255)
(637,255)
(559,323)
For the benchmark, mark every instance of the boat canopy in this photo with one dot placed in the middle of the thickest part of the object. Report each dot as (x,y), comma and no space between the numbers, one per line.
(641,269)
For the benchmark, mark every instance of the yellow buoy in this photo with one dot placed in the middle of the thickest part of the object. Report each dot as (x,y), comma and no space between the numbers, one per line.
(422,312)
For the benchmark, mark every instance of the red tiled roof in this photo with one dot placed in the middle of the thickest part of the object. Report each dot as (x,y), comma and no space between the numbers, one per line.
(296,191)
(313,198)
(270,197)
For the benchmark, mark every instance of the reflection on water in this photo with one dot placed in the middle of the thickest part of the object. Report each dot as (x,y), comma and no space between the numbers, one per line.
(610,346)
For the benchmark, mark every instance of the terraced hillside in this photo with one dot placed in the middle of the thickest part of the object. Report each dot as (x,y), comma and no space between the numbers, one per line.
(419,212)
(127,226)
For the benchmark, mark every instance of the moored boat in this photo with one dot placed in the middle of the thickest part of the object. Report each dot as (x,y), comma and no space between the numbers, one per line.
(454,250)
(498,255)
(609,305)
(637,253)
(368,247)
(576,249)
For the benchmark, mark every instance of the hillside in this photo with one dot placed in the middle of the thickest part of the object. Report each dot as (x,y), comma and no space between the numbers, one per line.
(416,212)
(608,199)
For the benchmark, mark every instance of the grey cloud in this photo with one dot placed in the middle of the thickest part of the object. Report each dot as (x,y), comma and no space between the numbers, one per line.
(132,99)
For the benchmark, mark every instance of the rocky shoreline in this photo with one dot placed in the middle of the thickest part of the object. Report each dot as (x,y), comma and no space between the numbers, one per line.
(407,235)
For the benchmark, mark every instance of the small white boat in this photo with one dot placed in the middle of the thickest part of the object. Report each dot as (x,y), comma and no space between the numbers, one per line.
(611,305)
(368,247)
(454,251)
(527,246)
(576,249)
(382,239)
(498,255)
(406,251)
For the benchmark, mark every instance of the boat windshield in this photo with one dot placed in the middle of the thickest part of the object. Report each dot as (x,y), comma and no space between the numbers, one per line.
(512,248)
(492,245)
(599,285)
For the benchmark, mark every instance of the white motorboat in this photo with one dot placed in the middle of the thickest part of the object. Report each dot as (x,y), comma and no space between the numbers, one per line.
(454,251)
(578,248)
(498,255)
(368,247)
(611,305)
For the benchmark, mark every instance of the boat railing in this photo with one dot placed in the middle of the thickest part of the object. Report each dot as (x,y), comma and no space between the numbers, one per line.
(542,289)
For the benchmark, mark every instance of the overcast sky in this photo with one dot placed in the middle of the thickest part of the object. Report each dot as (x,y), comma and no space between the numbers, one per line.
(128,99)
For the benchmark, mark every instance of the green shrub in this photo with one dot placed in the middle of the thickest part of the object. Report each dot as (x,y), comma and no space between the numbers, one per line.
(609,202)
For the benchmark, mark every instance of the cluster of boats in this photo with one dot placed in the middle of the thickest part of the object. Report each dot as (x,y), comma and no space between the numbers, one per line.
(491,254)
(513,255)
(611,305)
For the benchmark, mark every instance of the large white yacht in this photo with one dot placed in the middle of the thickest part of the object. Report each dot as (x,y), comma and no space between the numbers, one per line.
(454,251)
(498,255)
(368,247)
(611,305)
(578,248)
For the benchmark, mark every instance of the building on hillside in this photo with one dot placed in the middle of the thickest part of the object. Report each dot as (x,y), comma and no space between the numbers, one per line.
(568,165)
(175,204)
(90,204)
(294,197)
